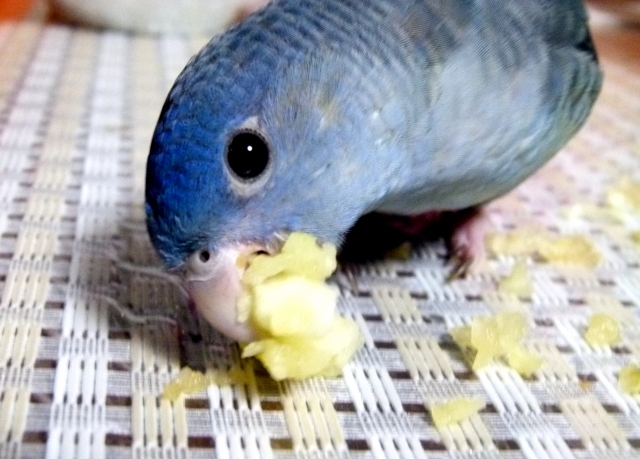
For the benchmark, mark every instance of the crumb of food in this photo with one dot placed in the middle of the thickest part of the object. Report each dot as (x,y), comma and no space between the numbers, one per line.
(300,334)
(629,379)
(190,381)
(586,386)
(515,243)
(496,337)
(461,335)
(635,237)
(591,211)
(455,410)
(624,195)
(400,253)
(603,330)
(570,250)
(524,361)
(187,382)
(606,303)
(518,282)
(560,250)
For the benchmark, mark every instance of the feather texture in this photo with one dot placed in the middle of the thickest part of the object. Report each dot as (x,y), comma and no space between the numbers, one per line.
(399,106)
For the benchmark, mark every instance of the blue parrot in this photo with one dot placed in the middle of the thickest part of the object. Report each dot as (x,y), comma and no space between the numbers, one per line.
(310,114)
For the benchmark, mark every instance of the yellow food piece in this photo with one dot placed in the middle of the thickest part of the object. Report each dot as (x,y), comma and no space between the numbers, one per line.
(400,253)
(515,243)
(243,306)
(293,312)
(591,211)
(572,250)
(524,361)
(495,337)
(455,410)
(629,379)
(298,357)
(625,195)
(586,386)
(512,329)
(517,282)
(280,311)
(603,330)
(187,382)
(635,237)
(485,339)
(461,335)
(300,255)
(190,382)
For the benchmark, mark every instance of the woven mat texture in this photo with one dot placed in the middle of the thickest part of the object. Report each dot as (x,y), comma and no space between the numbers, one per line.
(86,348)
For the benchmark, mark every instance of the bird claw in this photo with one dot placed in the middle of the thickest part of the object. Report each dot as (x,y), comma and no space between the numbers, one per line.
(466,244)
(460,261)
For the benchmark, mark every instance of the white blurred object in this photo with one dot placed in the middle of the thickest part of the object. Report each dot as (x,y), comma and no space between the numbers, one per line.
(194,17)
(627,10)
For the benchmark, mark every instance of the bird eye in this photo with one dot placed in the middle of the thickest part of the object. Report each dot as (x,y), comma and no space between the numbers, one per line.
(204,255)
(247,155)
(200,265)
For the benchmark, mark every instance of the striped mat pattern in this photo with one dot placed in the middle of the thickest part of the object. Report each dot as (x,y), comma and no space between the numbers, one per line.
(88,320)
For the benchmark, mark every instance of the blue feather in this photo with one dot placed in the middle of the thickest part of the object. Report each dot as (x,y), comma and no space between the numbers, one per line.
(400,106)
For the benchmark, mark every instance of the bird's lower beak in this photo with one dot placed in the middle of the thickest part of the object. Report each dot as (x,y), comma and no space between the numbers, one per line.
(216,296)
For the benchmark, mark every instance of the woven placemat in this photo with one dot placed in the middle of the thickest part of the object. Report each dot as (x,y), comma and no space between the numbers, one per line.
(88,338)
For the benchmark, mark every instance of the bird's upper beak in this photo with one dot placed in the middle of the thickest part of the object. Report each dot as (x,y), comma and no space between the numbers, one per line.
(214,284)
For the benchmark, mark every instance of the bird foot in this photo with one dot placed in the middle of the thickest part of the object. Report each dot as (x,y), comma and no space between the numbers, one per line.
(466,243)
(376,235)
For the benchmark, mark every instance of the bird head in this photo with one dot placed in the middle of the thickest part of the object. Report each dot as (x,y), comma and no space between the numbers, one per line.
(248,148)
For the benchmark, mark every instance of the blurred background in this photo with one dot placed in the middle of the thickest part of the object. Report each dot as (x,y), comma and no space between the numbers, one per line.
(195,17)
(615,23)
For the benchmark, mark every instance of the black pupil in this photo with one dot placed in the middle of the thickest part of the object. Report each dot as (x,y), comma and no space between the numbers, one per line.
(247,155)
(204,256)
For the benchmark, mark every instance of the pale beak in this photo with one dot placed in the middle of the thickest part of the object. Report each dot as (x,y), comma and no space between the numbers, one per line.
(214,285)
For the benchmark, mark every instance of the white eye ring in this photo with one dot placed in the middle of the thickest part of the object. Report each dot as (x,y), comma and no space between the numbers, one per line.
(243,187)
(201,265)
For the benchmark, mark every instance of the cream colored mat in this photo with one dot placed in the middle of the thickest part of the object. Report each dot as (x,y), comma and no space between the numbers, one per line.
(79,379)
